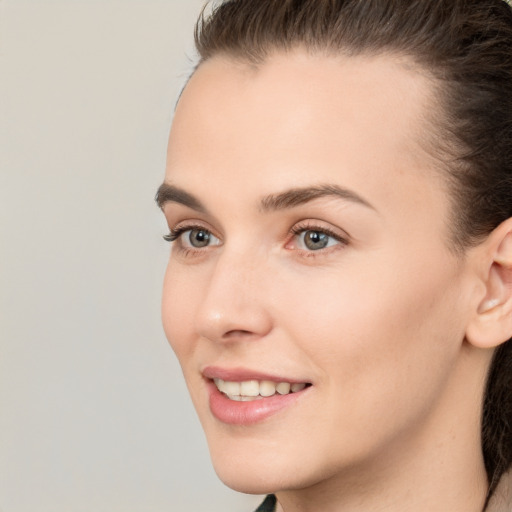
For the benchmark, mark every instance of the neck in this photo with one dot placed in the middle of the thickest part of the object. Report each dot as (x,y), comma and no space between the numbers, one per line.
(437,467)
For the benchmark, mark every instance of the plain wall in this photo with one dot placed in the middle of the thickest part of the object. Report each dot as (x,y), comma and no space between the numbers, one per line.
(94,415)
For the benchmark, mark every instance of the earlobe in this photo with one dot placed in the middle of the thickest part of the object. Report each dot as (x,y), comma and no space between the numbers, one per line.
(491,323)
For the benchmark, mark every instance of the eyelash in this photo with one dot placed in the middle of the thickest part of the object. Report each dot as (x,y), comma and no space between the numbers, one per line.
(177,232)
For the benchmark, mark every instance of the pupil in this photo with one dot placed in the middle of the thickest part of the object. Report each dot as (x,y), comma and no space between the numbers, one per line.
(199,238)
(316,240)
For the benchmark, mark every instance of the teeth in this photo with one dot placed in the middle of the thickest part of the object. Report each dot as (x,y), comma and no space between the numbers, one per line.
(250,388)
(254,390)
(241,398)
(267,388)
(231,388)
(283,388)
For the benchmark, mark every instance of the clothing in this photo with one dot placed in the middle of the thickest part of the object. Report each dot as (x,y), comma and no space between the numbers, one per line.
(501,500)
(268,505)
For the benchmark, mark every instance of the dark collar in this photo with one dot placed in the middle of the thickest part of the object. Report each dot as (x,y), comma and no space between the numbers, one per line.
(268,505)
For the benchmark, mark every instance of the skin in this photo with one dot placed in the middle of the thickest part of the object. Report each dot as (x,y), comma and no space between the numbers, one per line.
(376,321)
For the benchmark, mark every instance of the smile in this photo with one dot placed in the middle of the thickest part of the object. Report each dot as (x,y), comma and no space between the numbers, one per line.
(242,396)
(250,390)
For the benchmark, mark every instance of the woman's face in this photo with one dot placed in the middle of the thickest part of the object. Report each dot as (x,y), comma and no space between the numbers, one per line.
(312,249)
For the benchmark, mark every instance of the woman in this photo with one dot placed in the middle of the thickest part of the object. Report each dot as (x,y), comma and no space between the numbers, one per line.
(339,292)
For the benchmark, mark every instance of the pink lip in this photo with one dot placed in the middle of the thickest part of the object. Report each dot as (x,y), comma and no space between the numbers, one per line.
(232,412)
(241,374)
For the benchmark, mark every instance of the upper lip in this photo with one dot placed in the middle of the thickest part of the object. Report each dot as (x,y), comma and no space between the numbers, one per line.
(244,374)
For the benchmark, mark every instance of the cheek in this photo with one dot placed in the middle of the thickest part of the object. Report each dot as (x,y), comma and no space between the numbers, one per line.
(178,305)
(379,341)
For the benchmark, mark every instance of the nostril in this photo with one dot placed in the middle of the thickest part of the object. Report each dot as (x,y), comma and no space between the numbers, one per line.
(239,333)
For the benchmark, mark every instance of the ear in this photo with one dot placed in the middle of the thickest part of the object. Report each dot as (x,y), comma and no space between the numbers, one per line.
(491,323)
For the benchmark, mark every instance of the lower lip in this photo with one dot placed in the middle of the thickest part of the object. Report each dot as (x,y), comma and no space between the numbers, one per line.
(233,412)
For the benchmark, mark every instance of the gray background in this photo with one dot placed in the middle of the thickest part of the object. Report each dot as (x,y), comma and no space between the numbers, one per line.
(94,415)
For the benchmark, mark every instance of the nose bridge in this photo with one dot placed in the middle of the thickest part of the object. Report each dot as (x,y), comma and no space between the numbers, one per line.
(234,300)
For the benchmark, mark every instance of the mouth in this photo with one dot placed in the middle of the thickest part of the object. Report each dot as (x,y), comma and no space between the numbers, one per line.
(250,390)
(243,397)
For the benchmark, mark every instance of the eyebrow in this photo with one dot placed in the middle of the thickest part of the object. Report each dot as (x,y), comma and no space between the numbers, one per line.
(298,196)
(170,193)
(273,202)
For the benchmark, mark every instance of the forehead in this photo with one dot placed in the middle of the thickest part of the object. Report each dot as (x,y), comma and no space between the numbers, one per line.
(359,122)
(283,100)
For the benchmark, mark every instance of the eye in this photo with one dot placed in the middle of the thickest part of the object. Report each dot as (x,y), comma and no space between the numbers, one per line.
(191,237)
(198,238)
(315,239)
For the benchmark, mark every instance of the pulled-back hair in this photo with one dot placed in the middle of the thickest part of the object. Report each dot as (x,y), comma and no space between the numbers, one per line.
(465,48)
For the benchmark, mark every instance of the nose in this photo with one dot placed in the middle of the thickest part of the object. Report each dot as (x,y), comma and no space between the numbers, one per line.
(235,305)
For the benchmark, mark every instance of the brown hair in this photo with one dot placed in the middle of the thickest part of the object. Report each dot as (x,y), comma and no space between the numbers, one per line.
(466,47)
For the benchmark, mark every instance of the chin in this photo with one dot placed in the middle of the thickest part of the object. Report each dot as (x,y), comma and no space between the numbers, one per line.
(262,471)
(246,470)
(248,484)
(261,480)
